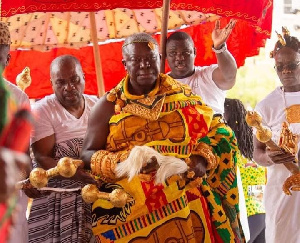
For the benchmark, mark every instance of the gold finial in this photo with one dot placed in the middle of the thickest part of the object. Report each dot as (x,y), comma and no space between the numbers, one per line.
(23,79)
(287,143)
(65,167)
(280,38)
(118,197)
(285,31)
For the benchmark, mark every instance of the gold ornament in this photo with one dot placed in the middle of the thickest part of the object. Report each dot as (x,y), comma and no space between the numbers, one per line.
(281,39)
(119,105)
(293,114)
(285,31)
(151,45)
(38,178)
(263,134)
(118,109)
(205,151)
(111,96)
(23,80)
(103,164)
(291,183)
(286,142)
(118,197)
(65,167)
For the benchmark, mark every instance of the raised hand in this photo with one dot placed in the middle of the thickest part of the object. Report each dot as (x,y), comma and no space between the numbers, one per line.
(219,36)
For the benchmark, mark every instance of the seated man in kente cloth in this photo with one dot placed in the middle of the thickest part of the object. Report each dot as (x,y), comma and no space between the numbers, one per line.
(152,110)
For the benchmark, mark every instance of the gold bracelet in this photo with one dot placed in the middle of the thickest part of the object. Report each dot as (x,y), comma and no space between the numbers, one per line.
(103,163)
(96,161)
(205,151)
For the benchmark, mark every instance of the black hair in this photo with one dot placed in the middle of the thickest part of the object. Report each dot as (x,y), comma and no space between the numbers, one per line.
(235,113)
(180,35)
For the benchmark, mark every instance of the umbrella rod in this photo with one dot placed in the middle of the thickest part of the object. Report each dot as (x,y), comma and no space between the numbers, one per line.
(163,36)
(98,66)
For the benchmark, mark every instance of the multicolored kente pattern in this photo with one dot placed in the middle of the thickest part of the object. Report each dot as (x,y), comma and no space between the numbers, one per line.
(205,214)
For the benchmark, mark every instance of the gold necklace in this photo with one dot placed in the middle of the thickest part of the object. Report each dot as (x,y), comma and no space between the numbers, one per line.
(292,113)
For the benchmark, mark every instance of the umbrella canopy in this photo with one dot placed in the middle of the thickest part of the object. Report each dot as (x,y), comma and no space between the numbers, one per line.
(45,31)
(253,27)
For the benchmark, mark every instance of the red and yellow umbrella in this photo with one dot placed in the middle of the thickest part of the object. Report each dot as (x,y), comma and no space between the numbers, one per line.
(51,28)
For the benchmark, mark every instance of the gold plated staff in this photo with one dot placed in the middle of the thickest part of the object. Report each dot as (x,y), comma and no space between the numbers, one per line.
(118,197)
(39,177)
(67,167)
(287,143)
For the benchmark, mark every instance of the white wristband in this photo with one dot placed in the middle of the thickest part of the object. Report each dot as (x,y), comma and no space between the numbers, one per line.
(224,48)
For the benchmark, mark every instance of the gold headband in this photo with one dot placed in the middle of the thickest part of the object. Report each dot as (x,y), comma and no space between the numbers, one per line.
(150,43)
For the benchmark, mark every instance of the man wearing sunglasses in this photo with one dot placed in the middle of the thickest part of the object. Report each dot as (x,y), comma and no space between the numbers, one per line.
(281,105)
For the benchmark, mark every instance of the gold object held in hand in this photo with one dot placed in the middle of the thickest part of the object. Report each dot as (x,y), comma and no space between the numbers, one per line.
(292,183)
(263,134)
(23,80)
(117,197)
(287,143)
(65,167)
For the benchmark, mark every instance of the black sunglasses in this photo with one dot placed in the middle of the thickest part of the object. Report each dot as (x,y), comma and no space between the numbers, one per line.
(290,67)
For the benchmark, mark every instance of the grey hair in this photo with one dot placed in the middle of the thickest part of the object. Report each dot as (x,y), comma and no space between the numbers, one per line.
(138,38)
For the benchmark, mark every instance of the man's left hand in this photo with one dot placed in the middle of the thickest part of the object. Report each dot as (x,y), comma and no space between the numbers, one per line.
(219,36)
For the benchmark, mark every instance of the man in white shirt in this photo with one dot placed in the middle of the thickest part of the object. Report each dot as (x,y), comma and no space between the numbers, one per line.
(210,82)
(281,105)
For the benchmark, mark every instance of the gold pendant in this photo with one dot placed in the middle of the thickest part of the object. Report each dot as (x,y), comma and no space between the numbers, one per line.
(293,114)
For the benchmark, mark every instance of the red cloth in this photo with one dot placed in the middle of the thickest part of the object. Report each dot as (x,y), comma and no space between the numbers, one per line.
(4,228)
(253,27)
(251,11)
(243,42)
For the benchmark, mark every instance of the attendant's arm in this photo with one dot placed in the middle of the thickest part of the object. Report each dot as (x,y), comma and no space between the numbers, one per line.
(43,152)
(266,157)
(98,129)
(44,155)
(224,75)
